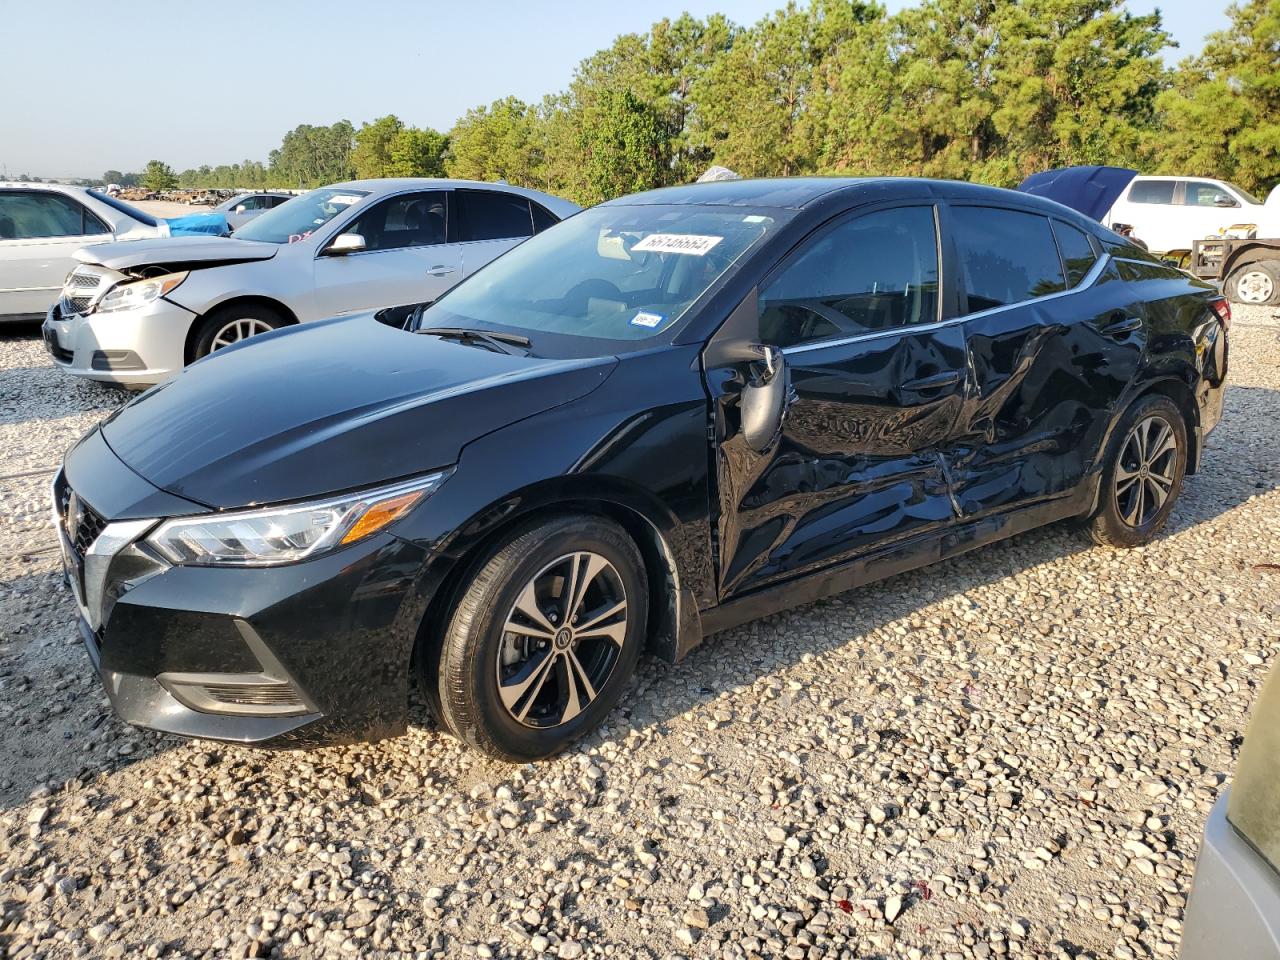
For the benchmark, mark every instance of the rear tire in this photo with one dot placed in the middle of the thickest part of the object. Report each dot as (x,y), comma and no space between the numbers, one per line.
(1145,466)
(232,324)
(544,638)
(1256,284)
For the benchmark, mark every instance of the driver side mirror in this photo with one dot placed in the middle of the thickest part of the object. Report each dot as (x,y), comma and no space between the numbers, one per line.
(1222,200)
(764,397)
(345,243)
(240,208)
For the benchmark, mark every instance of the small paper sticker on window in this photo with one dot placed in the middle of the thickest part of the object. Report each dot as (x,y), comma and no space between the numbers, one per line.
(344,199)
(643,319)
(754,218)
(687,243)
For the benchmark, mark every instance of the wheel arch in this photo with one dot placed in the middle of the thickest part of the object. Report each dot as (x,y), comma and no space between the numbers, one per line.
(194,331)
(1248,253)
(674,626)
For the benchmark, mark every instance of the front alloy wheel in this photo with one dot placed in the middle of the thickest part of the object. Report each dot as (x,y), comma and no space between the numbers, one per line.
(241,328)
(543,639)
(561,640)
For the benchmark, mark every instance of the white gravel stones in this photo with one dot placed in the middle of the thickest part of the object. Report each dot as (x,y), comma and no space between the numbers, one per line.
(1008,755)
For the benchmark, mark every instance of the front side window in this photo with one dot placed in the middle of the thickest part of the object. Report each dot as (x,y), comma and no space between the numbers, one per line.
(492,215)
(1077,252)
(35,216)
(613,273)
(1006,256)
(1152,191)
(1201,193)
(874,272)
(296,220)
(411,220)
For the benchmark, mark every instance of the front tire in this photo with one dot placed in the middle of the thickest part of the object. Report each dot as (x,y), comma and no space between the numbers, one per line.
(544,639)
(1146,464)
(229,325)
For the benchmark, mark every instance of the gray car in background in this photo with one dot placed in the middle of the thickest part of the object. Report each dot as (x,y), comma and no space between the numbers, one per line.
(137,313)
(42,225)
(243,207)
(1234,908)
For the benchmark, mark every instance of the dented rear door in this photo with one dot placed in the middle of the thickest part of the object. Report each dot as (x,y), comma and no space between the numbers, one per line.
(1051,347)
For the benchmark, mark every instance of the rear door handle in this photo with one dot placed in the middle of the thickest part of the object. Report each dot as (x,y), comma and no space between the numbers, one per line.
(441,270)
(1121,325)
(939,381)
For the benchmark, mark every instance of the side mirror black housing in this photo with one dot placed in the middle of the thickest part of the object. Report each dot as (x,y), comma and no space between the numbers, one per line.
(764,398)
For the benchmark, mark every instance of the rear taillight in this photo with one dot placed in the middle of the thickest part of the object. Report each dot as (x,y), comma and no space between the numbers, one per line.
(1222,310)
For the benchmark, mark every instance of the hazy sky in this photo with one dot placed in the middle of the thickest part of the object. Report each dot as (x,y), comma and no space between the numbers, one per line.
(198,82)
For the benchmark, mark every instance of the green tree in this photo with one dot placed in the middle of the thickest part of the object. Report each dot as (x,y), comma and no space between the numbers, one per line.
(159,176)
(311,156)
(417,153)
(622,145)
(1221,117)
(499,142)
(372,154)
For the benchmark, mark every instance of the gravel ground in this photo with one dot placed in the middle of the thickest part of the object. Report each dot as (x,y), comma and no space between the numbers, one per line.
(1009,754)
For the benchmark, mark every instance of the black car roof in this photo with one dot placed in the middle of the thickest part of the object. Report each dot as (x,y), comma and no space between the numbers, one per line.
(796,193)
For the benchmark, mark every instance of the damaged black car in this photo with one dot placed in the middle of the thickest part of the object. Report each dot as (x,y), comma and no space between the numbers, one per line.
(667,415)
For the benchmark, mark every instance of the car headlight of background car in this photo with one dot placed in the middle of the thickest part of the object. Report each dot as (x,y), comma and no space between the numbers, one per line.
(137,293)
(288,533)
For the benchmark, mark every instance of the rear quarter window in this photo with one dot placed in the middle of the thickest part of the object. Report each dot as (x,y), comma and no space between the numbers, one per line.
(1078,255)
(1006,256)
(1152,191)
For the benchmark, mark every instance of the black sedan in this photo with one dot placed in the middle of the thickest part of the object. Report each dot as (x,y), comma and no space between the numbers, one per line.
(670,414)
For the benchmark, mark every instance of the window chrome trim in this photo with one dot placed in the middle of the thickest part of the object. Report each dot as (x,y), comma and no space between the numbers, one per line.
(1089,280)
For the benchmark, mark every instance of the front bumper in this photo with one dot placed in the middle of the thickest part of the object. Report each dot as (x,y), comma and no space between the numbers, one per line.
(310,653)
(130,347)
(1234,909)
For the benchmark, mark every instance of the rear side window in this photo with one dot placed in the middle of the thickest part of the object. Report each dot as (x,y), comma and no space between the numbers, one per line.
(874,272)
(1006,256)
(1077,252)
(1152,191)
(492,215)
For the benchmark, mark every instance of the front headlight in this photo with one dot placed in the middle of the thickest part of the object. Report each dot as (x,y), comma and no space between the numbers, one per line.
(126,296)
(286,534)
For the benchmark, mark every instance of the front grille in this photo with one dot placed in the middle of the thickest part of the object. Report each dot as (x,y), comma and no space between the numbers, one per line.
(88,523)
(83,280)
(76,304)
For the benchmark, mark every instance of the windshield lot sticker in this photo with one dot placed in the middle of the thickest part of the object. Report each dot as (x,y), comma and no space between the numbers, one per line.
(343,199)
(643,319)
(688,243)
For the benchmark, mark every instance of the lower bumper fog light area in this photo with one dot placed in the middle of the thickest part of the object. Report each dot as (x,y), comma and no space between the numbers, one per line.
(252,695)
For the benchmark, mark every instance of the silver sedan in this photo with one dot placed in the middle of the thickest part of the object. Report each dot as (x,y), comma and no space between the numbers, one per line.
(137,313)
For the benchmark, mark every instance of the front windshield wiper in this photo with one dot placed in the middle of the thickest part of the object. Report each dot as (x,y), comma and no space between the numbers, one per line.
(502,342)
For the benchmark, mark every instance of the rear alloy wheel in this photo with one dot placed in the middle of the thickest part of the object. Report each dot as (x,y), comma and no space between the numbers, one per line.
(1144,474)
(1255,283)
(544,639)
(231,325)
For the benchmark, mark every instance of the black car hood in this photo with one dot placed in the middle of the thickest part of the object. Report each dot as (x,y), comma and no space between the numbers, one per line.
(331,406)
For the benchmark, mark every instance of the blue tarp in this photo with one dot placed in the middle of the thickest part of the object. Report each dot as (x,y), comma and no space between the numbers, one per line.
(1090,190)
(199,225)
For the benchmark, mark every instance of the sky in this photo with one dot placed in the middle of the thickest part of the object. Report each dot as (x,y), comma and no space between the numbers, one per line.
(198,82)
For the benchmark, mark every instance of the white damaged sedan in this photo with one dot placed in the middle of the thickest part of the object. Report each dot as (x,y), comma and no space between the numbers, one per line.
(137,313)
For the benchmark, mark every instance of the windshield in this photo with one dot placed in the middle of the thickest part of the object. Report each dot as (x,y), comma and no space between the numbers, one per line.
(124,208)
(612,273)
(296,219)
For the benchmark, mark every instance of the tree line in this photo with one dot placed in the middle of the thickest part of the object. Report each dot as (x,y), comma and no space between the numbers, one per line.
(982,90)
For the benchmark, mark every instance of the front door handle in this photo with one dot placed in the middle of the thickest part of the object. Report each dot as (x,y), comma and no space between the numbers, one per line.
(939,381)
(441,270)
(1121,324)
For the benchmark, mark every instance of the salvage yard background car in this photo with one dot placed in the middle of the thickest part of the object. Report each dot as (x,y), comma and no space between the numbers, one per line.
(243,207)
(135,314)
(673,413)
(41,227)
